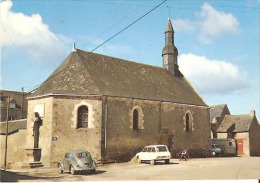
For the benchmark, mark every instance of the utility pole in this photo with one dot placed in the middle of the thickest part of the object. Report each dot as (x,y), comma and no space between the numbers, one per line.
(6,133)
(22,101)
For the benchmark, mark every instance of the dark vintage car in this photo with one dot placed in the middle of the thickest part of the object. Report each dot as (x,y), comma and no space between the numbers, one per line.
(77,161)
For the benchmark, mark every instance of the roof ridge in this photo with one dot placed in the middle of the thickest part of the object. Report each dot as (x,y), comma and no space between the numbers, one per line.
(236,115)
(121,59)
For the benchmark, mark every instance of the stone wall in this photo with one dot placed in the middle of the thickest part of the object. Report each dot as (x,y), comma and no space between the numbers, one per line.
(15,149)
(65,128)
(59,132)
(254,138)
(122,142)
(44,106)
(222,135)
(198,137)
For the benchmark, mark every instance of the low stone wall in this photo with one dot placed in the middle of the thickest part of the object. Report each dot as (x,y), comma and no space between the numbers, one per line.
(15,149)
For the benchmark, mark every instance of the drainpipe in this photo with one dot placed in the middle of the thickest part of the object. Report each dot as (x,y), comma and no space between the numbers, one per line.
(22,102)
(105,125)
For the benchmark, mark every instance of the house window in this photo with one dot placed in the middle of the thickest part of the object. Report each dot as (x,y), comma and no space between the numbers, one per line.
(135,119)
(82,117)
(187,122)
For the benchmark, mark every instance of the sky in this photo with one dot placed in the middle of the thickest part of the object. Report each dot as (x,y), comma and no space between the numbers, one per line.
(218,41)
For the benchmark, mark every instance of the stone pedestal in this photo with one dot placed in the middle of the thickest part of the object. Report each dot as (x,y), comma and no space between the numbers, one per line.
(34,155)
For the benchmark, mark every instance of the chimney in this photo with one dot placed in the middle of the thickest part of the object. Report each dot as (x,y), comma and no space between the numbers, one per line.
(252,112)
(74,47)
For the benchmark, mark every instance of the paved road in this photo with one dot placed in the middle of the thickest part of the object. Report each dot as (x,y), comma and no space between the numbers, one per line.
(194,169)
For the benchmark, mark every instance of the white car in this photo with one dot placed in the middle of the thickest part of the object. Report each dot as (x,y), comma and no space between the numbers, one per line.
(154,153)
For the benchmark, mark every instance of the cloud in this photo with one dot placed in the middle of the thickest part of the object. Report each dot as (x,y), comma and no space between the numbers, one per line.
(212,76)
(183,25)
(210,24)
(215,23)
(28,34)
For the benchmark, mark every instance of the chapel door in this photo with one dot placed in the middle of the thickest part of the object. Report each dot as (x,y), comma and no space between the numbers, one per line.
(166,139)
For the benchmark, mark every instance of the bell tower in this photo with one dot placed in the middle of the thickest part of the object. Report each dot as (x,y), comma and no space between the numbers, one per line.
(170,52)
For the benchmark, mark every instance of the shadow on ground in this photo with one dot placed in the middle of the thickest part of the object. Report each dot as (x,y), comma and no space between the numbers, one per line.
(160,163)
(86,174)
(7,176)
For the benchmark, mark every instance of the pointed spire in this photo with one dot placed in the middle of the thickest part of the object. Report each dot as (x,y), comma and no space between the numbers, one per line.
(169,27)
(170,52)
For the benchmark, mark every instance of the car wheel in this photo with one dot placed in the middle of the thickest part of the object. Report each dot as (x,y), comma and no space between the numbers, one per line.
(152,162)
(72,170)
(167,161)
(139,160)
(93,171)
(60,168)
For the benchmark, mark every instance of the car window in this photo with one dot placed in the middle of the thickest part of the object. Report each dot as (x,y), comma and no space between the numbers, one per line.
(151,149)
(70,156)
(162,149)
(83,155)
(145,149)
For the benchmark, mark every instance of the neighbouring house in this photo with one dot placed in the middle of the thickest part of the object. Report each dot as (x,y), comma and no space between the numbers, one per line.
(114,107)
(18,105)
(217,114)
(245,129)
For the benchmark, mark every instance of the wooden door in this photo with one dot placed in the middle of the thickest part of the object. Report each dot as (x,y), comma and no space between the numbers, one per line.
(240,150)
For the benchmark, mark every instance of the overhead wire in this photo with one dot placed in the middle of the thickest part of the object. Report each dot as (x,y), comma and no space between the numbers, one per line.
(128,26)
(105,41)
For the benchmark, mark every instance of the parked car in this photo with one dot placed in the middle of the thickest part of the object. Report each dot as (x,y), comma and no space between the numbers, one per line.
(77,161)
(216,151)
(154,153)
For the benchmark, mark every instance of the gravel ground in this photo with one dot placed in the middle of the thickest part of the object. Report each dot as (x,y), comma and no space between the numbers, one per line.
(231,168)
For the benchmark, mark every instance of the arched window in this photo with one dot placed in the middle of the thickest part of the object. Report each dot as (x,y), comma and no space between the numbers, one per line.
(187,122)
(135,119)
(82,117)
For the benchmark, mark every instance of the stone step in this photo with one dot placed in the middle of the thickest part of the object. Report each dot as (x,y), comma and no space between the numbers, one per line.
(33,165)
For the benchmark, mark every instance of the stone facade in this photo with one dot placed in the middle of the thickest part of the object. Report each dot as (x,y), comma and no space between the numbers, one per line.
(58,133)
(254,138)
(157,117)
(110,135)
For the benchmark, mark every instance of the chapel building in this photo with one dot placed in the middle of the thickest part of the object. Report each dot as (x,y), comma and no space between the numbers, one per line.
(114,107)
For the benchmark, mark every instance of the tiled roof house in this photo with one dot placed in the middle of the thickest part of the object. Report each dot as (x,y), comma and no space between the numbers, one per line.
(217,114)
(246,129)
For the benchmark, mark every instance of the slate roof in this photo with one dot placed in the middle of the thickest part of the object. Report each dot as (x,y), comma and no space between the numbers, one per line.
(87,73)
(217,110)
(241,123)
(13,126)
